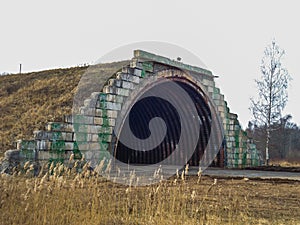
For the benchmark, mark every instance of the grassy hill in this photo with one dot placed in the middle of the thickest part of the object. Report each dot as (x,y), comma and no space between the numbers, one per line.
(28,101)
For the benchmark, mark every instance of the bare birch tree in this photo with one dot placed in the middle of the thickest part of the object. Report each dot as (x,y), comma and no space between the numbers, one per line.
(272,90)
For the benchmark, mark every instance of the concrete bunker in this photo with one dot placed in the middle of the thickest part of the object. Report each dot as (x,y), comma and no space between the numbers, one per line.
(91,131)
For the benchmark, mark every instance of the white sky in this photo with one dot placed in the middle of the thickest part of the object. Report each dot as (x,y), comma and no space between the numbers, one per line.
(228,36)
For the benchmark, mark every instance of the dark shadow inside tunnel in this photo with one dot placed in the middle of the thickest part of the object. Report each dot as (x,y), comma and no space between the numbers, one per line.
(150,107)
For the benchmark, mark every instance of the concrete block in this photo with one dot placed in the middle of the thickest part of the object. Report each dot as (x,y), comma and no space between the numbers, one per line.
(106,130)
(109,105)
(12,155)
(114,82)
(89,146)
(67,136)
(138,72)
(128,70)
(94,129)
(221,108)
(58,126)
(122,91)
(114,98)
(100,113)
(82,119)
(248,156)
(42,135)
(229,144)
(210,89)
(115,90)
(43,145)
(216,96)
(112,114)
(127,85)
(217,102)
(104,121)
(128,77)
(110,89)
(81,128)
(26,145)
(83,146)
(94,146)
(237,127)
(80,137)
(69,146)
(104,137)
(68,118)
(222,115)
(98,120)
(216,90)
(230,138)
(45,155)
(53,135)
(231,133)
(94,137)
(111,122)
(87,111)
(232,116)
(136,64)
(222,98)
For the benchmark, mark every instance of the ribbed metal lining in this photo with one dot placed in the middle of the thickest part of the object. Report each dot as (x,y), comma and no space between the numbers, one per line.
(147,108)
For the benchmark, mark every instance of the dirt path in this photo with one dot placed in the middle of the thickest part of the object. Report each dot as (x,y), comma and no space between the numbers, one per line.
(254,174)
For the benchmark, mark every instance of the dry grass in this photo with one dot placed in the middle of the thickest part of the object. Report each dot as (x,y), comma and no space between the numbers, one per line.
(28,101)
(285,163)
(66,197)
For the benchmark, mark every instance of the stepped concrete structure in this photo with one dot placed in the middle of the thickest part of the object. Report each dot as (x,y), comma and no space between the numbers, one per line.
(89,132)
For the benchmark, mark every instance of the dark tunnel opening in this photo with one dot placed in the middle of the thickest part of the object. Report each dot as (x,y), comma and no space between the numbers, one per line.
(146,109)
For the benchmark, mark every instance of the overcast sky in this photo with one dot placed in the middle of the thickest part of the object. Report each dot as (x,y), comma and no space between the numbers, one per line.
(228,36)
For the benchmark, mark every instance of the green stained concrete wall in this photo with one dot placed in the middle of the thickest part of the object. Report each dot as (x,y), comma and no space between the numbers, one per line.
(90,131)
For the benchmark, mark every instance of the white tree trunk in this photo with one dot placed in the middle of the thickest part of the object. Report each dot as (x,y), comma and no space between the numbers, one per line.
(267,147)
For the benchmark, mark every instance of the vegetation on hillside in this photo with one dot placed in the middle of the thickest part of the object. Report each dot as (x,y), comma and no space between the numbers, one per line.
(28,101)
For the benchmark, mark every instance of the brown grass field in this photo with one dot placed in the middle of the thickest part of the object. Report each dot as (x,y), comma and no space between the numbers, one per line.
(67,197)
(28,101)
(60,195)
